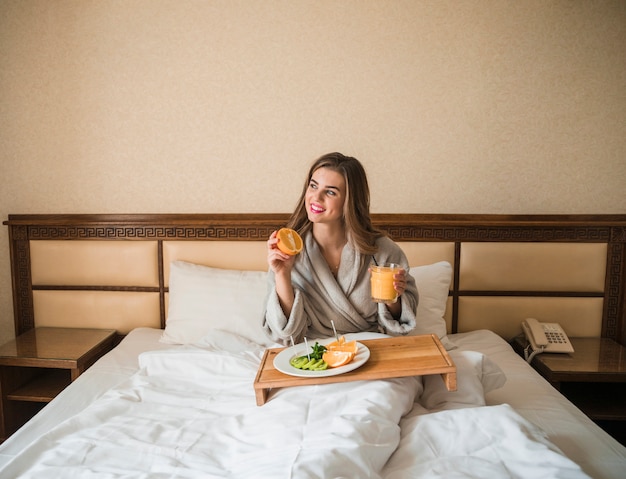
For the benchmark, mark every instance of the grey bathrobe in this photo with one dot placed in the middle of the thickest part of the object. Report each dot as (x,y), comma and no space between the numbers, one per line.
(319,297)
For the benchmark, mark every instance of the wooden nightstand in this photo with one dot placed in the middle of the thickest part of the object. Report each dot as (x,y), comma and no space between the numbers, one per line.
(593,378)
(39,364)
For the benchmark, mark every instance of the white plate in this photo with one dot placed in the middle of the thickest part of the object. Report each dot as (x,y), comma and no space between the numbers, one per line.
(281,361)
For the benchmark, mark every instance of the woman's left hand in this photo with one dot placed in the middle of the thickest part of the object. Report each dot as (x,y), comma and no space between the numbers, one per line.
(399,281)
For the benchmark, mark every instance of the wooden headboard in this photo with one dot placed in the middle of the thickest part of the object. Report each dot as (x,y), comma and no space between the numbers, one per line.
(112,270)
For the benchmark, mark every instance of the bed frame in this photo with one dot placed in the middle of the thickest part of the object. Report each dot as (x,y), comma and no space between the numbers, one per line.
(106,270)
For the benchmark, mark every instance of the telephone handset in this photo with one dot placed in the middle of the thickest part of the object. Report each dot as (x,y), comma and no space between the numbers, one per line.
(545,338)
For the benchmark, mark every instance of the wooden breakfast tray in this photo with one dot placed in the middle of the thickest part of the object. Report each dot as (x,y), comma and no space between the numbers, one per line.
(389,358)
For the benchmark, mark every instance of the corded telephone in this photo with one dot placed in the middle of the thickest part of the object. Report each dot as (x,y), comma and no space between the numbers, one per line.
(545,338)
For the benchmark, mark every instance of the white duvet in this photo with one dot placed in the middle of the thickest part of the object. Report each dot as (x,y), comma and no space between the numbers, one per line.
(191,413)
(479,442)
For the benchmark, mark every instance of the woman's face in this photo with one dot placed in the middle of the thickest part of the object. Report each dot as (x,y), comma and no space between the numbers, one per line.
(325,196)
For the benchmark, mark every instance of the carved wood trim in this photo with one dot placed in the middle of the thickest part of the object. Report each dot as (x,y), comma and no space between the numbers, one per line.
(614,314)
(217,233)
(498,233)
(19,247)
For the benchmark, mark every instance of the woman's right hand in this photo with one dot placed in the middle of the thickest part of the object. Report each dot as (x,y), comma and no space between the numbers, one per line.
(279,262)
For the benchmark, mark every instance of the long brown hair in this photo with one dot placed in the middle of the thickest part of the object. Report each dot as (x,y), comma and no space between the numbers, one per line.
(356,208)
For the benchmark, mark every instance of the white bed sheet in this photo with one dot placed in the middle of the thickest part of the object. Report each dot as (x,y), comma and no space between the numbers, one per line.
(190,412)
(529,395)
(598,454)
(110,370)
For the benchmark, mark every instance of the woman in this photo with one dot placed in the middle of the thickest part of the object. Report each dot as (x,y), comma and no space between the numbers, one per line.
(329,279)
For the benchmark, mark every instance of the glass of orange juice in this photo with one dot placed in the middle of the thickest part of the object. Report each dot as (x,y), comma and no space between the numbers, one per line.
(381,277)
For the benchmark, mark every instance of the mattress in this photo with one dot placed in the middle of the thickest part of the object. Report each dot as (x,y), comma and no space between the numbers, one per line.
(554,429)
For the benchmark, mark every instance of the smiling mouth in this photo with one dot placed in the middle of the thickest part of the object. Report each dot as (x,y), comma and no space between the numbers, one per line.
(316,209)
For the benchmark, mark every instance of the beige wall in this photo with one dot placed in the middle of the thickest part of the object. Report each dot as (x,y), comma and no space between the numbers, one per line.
(220,106)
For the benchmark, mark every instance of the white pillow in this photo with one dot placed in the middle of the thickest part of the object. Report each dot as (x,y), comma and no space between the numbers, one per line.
(476,375)
(433,286)
(202,298)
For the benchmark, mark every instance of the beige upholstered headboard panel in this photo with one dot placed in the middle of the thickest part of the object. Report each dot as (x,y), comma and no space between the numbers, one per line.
(113,270)
(71,275)
(539,267)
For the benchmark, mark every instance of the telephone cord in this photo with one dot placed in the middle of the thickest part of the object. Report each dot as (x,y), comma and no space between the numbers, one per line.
(529,357)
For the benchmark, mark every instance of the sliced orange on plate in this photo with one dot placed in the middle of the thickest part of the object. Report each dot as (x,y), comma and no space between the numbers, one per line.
(334,359)
(289,241)
(343,345)
(340,352)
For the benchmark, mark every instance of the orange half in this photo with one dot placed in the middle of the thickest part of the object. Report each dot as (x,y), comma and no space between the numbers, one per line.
(289,241)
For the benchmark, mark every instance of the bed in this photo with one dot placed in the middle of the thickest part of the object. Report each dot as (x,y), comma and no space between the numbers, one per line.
(185,294)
